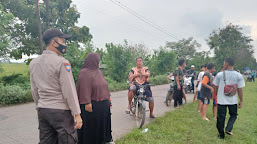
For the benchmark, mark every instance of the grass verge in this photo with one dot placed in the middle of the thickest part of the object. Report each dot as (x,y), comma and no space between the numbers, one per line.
(184,126)
(14,68)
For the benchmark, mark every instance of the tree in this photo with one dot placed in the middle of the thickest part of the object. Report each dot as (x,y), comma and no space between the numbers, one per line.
(137,50)
(74,55)
(39,28)
(199,59)
(47,13)
(118,59)
(231,42)
(24,32)
(5,20)
(163,61)
(102,54)
(185,48)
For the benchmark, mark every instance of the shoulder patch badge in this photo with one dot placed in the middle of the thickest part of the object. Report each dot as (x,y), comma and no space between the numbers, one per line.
(67,67)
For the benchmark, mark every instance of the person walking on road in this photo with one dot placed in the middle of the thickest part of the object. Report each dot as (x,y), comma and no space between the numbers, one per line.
(54,93)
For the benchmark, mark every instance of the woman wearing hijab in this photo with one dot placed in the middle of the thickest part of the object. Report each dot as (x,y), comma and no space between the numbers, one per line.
(94,99)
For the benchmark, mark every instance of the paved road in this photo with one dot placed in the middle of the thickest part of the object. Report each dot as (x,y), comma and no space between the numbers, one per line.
(18,124)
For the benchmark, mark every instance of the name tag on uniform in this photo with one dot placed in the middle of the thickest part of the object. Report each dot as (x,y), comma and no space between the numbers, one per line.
(67,67)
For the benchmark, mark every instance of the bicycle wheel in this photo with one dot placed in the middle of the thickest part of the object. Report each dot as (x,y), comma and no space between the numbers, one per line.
(169,98)
(140,116)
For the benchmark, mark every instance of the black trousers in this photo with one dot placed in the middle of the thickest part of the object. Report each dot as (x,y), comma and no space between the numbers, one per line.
(221,116)
(56,126)
(193,85)
(178,95)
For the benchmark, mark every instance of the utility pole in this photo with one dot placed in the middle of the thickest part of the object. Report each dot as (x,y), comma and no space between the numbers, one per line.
(47,14)
(39,28)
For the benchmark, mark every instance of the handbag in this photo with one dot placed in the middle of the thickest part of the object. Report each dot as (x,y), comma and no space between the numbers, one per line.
(229,90)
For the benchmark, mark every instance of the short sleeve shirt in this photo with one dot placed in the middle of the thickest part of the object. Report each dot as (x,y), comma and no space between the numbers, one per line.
(141,79)
(180,73)
(205,92)
(232,77)
(253,74)
(192,72)
(200,78)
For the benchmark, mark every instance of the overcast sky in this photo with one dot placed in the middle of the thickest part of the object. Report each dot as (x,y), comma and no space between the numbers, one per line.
(182,19)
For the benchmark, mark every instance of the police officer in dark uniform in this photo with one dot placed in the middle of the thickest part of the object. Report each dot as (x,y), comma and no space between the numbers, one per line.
(54,93)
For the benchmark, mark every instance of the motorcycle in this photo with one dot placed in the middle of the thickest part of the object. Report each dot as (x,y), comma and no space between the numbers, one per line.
(170,93)
(188,83)
(138,106)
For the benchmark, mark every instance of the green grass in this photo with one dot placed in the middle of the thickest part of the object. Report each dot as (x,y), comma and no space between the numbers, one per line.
(184,126)
(14,68)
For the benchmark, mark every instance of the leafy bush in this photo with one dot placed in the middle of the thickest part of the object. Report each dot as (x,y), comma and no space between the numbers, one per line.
(19,90)
(158,80)
(163,61)
(118,59)
(17,78)
(116,86)
(13,95)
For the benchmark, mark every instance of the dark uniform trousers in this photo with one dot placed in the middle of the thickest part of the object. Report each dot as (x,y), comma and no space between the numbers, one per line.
(56,126)
(193,84)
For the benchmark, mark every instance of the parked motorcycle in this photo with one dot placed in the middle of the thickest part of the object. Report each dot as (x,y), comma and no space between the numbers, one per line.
(188,83)
(170,93)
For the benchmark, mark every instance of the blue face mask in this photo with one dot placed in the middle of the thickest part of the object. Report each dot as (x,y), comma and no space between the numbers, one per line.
(61,48)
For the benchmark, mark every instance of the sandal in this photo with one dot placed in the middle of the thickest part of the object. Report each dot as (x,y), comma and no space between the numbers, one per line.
(153,117)
(127,111)
(206,119)
(229,133)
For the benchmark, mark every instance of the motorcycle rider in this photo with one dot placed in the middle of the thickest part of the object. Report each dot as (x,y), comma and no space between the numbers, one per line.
(141,75)
(192,73)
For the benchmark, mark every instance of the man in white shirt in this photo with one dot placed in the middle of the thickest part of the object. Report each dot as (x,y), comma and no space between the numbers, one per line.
(232,77)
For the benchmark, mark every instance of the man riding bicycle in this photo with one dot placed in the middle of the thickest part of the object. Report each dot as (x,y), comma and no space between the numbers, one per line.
(140,75)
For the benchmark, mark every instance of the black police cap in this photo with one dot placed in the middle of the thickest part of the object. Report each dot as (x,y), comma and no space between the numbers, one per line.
(54,32)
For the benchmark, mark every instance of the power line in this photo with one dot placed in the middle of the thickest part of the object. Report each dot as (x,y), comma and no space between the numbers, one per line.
(118,20)
(142,18)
